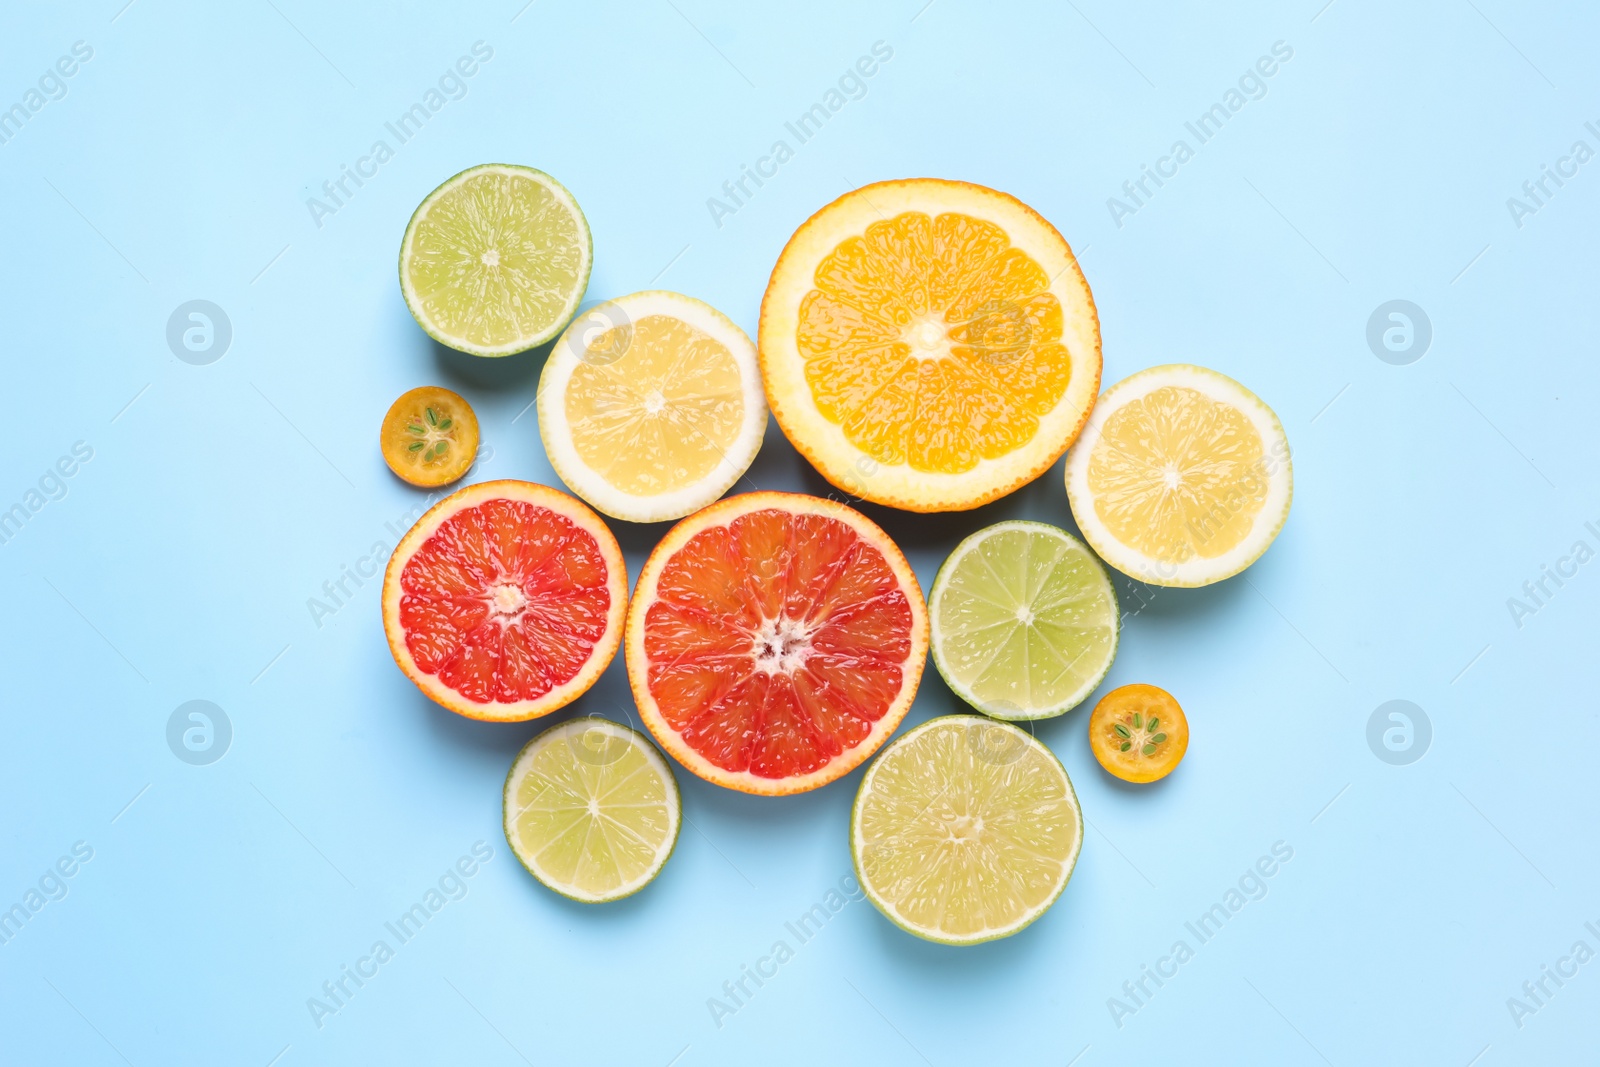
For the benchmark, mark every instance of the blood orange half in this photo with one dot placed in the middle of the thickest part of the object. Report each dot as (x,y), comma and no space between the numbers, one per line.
(775,641)
(505,601)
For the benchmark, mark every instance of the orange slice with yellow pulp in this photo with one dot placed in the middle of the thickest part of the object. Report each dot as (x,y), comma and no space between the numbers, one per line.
(930,345)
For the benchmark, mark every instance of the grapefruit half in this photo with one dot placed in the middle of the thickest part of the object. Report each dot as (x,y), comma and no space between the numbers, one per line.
(505,601)
(775,640)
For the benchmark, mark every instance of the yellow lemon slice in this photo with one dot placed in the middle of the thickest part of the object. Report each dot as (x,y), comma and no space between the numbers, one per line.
(1182,477)
(650,406)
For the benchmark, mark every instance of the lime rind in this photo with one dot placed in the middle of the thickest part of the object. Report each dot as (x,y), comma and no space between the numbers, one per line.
(1008,749)
(574,297)
(1100,590)
(576,731)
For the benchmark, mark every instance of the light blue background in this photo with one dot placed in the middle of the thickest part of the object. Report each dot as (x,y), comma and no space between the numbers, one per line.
(220,498)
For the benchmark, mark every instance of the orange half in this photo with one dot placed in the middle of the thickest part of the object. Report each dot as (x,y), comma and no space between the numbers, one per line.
(775,640)
(930,345)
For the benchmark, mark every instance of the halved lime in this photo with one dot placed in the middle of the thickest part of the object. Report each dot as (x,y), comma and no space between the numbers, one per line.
(495,260)
(1024,620)
(965,830)
(592,809)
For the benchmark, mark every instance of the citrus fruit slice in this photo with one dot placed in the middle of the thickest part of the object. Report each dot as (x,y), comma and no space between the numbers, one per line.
(965,830)
(1138,733)
(505,601)
(650,406)
(591,809)
(495,260)
(429,436)
(1024,621)
(930,345)
(1181,478)
(775,641)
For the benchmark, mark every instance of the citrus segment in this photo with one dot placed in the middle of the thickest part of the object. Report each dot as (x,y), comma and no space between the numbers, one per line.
(1024,621)
(495,260)
(1138,733)
(929,344)
(965,830)
(775,640)
(1183,476)
(591,809)
(650,406)
(429,436)
(505,601)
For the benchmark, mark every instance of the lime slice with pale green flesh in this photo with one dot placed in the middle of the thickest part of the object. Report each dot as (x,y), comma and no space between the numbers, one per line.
(1024,621)
(495,260)
(592,809)
(965,830)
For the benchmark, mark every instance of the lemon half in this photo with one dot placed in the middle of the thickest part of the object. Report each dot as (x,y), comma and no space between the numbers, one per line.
(650,406)
(1182,476)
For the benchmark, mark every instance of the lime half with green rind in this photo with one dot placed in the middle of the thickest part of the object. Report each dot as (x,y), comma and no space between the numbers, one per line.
(965,830)
(592,810)
(496,260)
(1024,621)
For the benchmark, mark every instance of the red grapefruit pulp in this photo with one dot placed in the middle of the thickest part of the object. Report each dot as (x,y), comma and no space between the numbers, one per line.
(505,601)
(775,641)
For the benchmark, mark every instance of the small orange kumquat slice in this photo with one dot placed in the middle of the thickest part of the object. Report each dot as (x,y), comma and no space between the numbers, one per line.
(1138,733)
